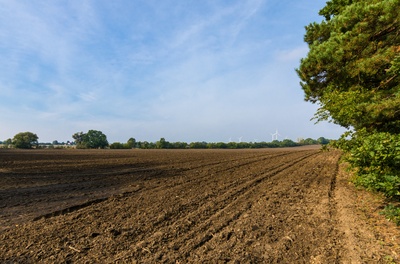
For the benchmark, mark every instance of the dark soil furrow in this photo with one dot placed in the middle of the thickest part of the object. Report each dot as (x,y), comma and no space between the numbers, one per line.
(257,191)
(203,219)
(278,242)
(226,191)
(102,185)
(215,169)
(247,206)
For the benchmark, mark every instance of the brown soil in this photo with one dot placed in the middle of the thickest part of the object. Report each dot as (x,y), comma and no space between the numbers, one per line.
(187,206)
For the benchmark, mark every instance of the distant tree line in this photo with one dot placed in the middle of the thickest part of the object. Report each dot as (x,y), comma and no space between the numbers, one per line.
(95,139)
(164,144)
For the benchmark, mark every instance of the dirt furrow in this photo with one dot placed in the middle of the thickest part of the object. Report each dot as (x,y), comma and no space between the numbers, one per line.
(219,191)
(268,231)
(258,207)
(203,220)
(84,187)
(252,195)
(201,208)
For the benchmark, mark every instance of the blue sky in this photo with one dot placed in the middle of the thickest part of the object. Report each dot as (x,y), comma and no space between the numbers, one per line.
(210,70)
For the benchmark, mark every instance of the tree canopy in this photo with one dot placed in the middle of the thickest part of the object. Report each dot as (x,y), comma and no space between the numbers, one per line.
(25,140)
(352,70)
(91,139)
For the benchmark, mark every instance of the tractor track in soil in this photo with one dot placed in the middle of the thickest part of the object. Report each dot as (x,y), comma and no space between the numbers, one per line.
(176,206)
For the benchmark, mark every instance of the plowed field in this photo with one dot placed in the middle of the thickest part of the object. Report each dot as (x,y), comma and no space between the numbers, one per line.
(180,206)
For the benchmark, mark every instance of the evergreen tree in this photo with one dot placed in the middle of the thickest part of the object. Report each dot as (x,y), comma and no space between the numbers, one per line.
(352,68)
(352,71)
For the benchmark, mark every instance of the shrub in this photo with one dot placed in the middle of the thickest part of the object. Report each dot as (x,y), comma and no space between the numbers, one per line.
(375,157)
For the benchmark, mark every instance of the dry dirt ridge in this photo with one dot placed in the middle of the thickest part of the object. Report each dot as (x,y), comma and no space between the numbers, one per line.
(187,206)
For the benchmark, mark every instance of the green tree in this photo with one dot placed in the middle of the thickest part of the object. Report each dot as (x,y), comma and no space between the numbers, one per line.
(96,139)
(131,143)
(144,145)
(117,145)
(7,143)
(25,140)
(323,141)
(310,141)
(79,138)
(198,145)
(162,144)
(352,70)
(91,139)
(288,143)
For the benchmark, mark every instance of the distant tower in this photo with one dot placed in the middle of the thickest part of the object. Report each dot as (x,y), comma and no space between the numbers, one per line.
(275,135)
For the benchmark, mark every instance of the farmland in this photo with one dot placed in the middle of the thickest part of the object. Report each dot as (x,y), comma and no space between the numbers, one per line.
(178,206)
